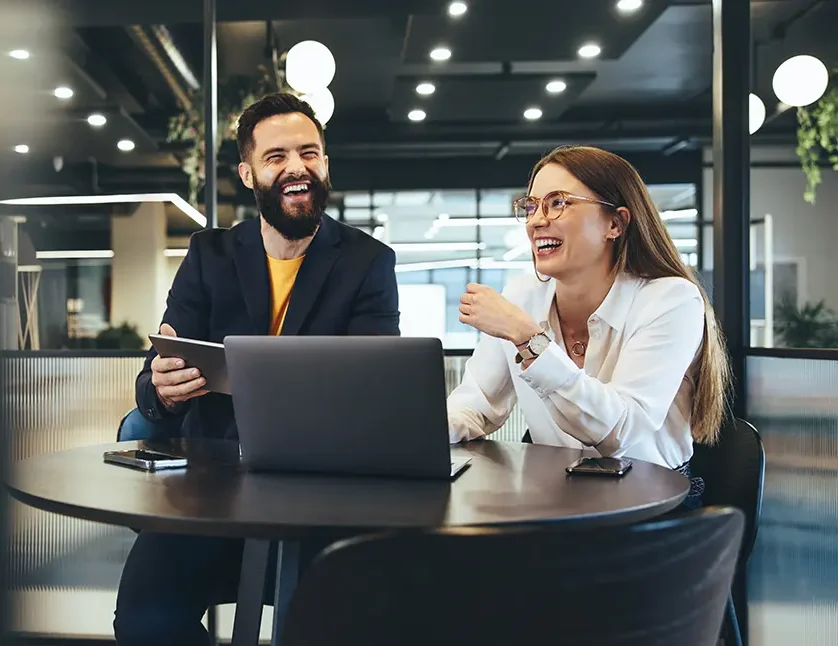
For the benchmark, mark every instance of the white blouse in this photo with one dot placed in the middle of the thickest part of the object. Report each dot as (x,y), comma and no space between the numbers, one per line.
(633,397)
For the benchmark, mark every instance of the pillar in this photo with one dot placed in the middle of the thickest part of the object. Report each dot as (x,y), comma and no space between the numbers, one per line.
(8,283)
(139,275)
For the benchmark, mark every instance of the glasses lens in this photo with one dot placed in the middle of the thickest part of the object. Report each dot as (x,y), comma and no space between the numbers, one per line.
(555,204)
(525,208)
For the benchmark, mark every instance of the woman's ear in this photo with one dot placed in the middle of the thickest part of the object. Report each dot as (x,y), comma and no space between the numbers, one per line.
(620,221)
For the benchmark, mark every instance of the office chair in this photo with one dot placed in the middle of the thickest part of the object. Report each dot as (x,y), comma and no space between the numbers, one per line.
(734,475)
(656,584)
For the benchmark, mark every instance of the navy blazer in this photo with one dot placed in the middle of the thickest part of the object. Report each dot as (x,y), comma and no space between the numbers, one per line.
(346,286)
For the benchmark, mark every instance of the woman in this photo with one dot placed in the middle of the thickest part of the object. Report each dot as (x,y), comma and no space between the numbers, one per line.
(613,343)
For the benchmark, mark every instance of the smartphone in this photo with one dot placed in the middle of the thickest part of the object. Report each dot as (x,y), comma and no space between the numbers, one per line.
(145,460)
(616,467)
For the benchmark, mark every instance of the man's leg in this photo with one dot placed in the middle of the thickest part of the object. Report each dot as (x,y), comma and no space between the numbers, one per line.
(167,585)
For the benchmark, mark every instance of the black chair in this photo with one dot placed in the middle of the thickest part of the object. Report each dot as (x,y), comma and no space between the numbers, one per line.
(657,584)
(734,475)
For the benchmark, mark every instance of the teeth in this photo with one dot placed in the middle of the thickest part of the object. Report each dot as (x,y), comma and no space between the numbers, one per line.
(548,243)
(294,188)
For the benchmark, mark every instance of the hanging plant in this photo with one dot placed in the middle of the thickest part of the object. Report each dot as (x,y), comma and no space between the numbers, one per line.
(817,137)
(234,95)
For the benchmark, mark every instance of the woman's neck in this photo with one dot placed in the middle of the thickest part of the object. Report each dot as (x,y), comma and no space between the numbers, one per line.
(579,297)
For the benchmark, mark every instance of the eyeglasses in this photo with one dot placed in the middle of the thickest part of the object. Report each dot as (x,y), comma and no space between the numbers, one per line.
(552,205)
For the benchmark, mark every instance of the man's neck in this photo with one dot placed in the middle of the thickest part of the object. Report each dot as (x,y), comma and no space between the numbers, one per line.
(280,248)
(578,297)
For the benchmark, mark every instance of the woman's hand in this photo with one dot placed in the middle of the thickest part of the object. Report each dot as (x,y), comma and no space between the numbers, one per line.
(485,310)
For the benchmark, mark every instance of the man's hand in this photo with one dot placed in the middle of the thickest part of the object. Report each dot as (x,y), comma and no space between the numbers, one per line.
(172,380)
(485,310)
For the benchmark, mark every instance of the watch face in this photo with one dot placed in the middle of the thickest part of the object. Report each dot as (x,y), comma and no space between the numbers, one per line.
(539,343)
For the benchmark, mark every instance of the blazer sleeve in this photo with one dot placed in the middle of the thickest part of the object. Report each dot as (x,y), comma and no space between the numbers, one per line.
(376,308)
(652,365)
(187,311)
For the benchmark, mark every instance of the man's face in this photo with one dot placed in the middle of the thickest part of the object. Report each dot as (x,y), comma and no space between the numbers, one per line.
(289,174)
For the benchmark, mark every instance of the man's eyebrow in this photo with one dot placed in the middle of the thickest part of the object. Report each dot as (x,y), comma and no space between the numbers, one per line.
(280,149)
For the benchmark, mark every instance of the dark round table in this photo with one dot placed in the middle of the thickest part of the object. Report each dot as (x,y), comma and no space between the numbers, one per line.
(506,483)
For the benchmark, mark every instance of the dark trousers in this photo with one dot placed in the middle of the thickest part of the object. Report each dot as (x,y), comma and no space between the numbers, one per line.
(169,581)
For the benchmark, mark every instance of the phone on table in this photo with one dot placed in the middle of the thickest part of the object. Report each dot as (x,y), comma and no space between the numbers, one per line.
(145,459)
(615,467)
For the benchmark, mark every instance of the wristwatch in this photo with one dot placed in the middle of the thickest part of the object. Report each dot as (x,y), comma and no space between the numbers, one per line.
(537,344)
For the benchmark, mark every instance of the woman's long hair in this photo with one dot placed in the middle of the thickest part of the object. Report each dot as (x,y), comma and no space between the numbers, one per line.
(646,250)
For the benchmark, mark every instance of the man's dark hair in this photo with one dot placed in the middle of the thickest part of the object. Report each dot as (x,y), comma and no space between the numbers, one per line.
(266,107)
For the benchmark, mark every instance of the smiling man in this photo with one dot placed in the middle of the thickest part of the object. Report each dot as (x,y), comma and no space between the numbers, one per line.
(293,271)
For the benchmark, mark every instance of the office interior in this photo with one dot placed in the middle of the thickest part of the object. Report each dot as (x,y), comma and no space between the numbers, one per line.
(436,113)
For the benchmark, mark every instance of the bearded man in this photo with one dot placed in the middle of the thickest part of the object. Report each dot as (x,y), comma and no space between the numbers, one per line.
(293,271)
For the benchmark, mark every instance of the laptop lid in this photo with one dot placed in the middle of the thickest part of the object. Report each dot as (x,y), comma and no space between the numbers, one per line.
(372,405)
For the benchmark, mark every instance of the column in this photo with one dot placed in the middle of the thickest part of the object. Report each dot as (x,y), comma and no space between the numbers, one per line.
(8,283)
(139,275)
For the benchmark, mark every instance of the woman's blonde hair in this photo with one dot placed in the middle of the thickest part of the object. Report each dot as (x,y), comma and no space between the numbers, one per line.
(646,250)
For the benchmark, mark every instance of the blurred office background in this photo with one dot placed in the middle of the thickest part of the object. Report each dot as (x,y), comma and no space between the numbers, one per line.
(434,117)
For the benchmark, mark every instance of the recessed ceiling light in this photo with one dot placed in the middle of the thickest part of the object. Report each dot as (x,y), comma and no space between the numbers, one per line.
(416,115)
(126,145)
(425,88)
(554,87)
(63,92)
(20,54)
(97,120)
(441,54)
(22,149)
(457,9)
(627,6)
(590,50)
(532,113)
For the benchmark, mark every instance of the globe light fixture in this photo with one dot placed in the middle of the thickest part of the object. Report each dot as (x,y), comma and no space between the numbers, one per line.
(800,81)
(756,113)
(309,67)
(322,102)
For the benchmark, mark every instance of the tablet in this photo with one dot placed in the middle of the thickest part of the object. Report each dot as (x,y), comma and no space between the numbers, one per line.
(205,356)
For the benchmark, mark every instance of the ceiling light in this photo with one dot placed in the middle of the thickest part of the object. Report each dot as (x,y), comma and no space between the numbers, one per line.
(20,54)
(679,214)
(82,254)
(126,145)
(532,113)
(628,6)
(457,9)
(69,200)
(425,88)
(590,50)
(440,54)
(800,81)
(22,149)
(416,115)
(756,113)
(309,66)
(420,247)
(323,104)
(554,87)
(476,222)
(97,120)
(63,92)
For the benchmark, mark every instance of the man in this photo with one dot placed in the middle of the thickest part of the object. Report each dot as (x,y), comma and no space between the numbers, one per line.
(294,271)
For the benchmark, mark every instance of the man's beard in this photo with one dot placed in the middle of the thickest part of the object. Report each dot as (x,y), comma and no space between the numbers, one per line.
(294,221)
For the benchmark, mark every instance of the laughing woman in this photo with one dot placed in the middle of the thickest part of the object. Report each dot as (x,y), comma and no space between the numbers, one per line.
(613,343)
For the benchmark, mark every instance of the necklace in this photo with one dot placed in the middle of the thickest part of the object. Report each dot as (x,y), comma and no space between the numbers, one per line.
(577,348)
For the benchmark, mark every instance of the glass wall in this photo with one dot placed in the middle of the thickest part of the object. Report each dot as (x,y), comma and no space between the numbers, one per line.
(445,239)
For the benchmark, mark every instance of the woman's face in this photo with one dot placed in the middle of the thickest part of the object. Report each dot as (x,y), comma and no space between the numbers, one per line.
(581,239)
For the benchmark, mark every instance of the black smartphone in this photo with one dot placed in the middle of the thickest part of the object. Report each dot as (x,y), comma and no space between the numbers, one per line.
(145,460)
(616,467)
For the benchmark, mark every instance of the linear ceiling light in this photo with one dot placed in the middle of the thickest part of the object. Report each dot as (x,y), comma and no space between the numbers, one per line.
(420,247)
(472,263)
(70,200)
(81,254)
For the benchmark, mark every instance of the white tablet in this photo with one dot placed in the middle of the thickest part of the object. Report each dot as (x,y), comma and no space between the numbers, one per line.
(205,356)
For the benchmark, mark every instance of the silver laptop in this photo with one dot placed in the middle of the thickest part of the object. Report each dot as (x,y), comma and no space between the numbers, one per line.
(371,405)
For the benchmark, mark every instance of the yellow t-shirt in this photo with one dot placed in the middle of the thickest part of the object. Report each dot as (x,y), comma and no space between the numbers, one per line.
(283,274)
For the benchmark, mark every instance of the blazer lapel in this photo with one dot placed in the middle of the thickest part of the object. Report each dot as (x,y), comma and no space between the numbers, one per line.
(252,269)
(320,257)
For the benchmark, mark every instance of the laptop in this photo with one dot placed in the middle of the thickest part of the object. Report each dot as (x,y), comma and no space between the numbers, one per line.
(372,405)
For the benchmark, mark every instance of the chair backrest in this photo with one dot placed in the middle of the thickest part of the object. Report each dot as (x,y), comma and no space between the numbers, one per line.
(136,427)
(734,475)
(658,584)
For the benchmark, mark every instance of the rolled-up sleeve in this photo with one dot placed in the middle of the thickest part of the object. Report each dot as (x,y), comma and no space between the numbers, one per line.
(648,373)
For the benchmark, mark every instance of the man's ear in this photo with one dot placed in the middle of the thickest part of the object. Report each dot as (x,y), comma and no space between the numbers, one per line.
(246,174)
